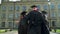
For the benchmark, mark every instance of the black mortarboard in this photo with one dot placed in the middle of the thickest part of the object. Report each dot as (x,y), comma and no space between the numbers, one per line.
(23,13)
(33,6)
(44,12)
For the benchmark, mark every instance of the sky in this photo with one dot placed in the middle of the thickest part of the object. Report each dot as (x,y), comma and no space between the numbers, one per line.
(0,1)
(14,0)
(11,0)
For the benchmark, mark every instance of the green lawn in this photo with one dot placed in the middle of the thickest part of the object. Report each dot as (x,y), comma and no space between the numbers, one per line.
(57,30)
(2,31)
(6,30)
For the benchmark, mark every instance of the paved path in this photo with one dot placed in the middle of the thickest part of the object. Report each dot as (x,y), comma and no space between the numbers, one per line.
(52,33)
(15,32)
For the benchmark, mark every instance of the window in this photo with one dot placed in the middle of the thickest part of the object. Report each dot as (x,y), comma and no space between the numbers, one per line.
(59,6)
(24,0)
(38,6)
(58,13)
(17,15)
(0,16)
(17,7)
(58,10)
(4,0)
(3,24)
(10,16)
(57,0)
(33,0)
(45,7)
(24,8)
(52,6)
(4,8)
(3,15)
(11,8)
(15,25)
(28,0)
(53,14)
(10,24)
(58,23)
(43,0)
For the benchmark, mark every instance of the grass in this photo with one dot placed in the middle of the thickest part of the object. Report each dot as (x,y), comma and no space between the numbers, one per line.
(2,31)
(57,30)
(6,30)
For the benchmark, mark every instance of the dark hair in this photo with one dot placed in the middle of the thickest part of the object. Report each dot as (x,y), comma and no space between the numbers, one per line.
(23,13)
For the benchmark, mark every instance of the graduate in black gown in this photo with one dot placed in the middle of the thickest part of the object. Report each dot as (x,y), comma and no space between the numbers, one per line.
(22,25)
(37,24)
(44,13)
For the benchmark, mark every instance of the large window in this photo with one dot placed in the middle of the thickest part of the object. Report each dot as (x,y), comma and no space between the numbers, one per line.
(17,8)
(57,0)
(38,6)
(4,8)
(0,16)
(45,7)
(59,6)
(24,8)
(58,13)
(58,10)
(3,24)
(10,24)
(17,15)
(11,8)
(33,0)
(44,0)
(53,14)
(10,16)
(52,6)
(3,15)
(58,23)
(4,0)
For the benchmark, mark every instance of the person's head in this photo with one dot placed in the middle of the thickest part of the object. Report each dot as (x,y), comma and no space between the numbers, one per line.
(23,13)
(44,12)
(34,7)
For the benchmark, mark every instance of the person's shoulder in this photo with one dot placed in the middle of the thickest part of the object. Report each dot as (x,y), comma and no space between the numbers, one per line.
(39,12)
(31,11)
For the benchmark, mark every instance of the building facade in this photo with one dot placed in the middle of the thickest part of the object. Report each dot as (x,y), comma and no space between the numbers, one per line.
(10,11)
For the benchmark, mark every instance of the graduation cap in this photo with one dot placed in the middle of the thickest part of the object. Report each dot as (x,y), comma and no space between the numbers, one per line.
(23,13)
(33,6)
(44,12)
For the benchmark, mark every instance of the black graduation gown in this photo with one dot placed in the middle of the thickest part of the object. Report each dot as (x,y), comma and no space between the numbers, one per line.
(45,26)
(36,23)
(22,27)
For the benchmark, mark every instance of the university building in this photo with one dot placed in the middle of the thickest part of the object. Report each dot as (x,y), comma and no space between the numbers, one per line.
(10,11)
